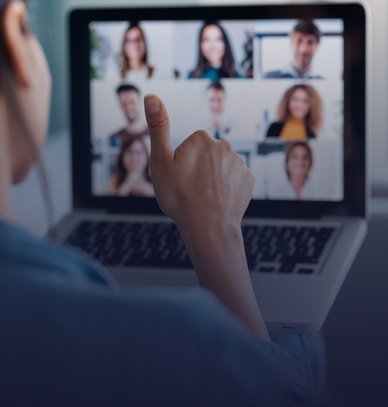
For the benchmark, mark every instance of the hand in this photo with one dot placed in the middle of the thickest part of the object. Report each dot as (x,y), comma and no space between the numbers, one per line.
(137,185)
(206,187)
(203,179)
(127,186)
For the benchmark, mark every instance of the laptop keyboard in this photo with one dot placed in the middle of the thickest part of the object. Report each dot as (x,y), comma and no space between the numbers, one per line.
(285,249)
(269,249)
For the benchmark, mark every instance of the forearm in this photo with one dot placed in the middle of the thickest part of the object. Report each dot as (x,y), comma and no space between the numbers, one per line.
(206,188)
(217,253)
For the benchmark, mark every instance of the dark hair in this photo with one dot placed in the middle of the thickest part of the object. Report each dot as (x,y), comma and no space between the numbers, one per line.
(121,171)
(216,85)
(313,119)
(126,87)
(307,27)
(292,147)
(227,67)
(125,63)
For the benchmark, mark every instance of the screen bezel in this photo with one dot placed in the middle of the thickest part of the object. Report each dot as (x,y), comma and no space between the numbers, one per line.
(354,18)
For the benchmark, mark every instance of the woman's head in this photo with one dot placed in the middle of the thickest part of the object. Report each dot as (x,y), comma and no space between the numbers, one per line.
(302,102)
(215,50)
(299,160)
(213,45)
(133,48)
(25,86)
(133,158)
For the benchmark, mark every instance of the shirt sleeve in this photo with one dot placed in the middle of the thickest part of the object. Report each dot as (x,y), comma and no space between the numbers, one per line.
(70,337)
(67,344)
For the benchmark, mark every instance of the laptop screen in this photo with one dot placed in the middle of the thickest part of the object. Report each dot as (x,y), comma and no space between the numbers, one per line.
(273,87)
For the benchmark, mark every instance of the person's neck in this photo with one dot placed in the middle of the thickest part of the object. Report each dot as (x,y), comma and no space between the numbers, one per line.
(297,182)
(136,65)
(135,126)
(5,166)
(217,65)
(302,71)
(295,119)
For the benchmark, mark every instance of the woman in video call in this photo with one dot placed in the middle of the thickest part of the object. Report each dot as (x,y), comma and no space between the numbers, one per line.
(134,56)
(70,336)
(299,115)
(298,164)
(132,176)
(215,56)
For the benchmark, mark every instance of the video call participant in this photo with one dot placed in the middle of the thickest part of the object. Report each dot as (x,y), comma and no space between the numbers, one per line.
(134,56)
(217,126)
(299,115)
(130,102)
(305,38)
(297,184)
(298,164)
(132,176)
(215,56)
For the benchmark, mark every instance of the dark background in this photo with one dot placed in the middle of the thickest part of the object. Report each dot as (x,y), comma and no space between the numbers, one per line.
(356,330)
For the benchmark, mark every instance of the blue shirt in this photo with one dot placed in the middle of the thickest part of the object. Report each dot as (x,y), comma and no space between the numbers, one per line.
(71,337)
(214,74)
(290,73)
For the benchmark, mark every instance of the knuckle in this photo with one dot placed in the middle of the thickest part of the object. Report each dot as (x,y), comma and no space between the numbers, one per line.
(201,139)
(159,124)
(250,177)
(179,148)
(241,160)
(201,135)
(226,146)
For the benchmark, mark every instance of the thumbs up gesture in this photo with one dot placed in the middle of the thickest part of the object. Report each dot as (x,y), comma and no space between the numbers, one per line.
(203,179)
(205,187)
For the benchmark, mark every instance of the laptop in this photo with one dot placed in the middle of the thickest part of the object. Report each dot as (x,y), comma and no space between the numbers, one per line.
(285,84)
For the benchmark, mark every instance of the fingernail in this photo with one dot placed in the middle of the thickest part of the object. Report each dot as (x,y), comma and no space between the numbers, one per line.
(152,104)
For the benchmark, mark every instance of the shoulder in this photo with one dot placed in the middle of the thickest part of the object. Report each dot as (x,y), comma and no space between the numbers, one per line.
(277,74)
(115,138)
(310,191)
(183,346)
(310,133)
(27,256)
(145,132)
(315,76)
(274,129)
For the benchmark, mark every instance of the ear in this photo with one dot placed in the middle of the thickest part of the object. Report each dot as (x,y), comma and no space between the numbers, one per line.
(16,40)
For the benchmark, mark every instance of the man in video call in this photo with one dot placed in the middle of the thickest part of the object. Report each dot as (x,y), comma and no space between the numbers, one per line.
(216,97)
(305,38)
(131,103)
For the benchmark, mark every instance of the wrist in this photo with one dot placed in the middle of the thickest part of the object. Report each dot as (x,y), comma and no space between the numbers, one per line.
(212,229)
(215,245)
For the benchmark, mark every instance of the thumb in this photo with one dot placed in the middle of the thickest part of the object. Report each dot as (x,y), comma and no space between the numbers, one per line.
(159,127)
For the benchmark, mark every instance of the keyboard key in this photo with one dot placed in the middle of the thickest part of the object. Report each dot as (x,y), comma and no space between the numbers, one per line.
(268,248)
(287,268)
